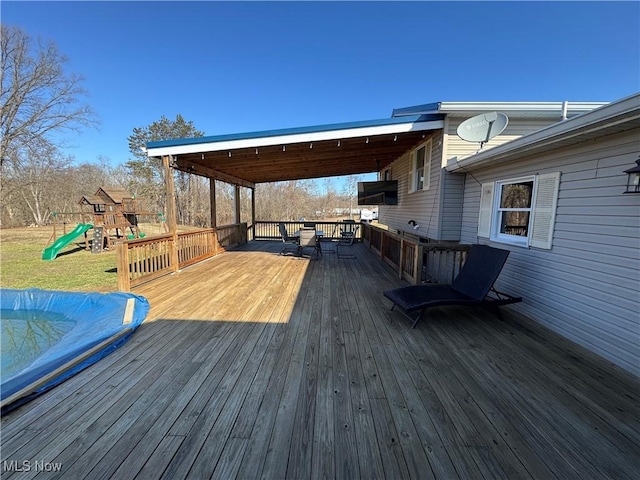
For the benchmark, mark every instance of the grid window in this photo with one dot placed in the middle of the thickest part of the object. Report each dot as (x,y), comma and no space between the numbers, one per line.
(421,165)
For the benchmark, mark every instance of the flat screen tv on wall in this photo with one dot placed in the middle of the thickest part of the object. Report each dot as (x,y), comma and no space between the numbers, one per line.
(378,193)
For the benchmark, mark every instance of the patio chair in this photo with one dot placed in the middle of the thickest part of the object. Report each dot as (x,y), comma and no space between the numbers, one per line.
(471,287)
(346,241)
(308,239)
(348,229)
(290,243)
(328,240)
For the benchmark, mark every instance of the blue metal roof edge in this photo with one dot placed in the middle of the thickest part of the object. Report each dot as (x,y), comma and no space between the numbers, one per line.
(427,108)
(294,131)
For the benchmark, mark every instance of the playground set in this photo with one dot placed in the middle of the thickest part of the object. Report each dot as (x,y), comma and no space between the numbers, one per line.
(110,212)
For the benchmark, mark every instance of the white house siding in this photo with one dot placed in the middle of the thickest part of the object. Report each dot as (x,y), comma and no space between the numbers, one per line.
(587,287)
(517,127)
(422,206)
(451,206)
(451,201)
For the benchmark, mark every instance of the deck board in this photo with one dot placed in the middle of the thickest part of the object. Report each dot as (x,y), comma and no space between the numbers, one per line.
(257,365)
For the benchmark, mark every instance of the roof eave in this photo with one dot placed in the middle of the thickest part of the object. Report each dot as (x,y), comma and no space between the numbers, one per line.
(608,115)
(178,147)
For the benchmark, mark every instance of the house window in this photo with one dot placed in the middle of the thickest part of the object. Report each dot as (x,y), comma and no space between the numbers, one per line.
(420,168)
(98,208)
(520,211)
(513,210)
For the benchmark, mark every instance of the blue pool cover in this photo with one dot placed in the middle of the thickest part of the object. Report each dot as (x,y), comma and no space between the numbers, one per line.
(48,336)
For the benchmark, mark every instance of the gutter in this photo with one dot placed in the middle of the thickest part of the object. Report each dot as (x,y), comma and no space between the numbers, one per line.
(548,109)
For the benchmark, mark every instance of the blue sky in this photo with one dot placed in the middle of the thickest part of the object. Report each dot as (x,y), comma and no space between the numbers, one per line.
(244,66)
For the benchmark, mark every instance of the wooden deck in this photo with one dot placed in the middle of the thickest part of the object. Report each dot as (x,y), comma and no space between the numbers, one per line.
(256,365)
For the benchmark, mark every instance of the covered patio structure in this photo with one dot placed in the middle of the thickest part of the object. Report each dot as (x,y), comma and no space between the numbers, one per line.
(246,159)
(298,153)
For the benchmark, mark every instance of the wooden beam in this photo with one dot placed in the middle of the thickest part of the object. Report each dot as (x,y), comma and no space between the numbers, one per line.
(203,171)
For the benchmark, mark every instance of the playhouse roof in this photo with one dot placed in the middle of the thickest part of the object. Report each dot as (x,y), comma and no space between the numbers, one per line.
(114,193)
(91,200)
(106,196)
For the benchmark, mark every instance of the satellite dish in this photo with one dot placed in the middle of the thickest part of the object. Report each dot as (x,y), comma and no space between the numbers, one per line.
(483,127)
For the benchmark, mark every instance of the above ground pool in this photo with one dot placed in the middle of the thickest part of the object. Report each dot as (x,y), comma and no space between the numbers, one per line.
(48,336)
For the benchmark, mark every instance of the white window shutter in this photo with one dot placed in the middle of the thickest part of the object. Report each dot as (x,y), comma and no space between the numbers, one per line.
(412,166)
(486,210)
(427,166)
(544,210)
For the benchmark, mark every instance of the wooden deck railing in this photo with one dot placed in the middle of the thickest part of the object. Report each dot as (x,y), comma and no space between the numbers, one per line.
(270,230)
(196,246)
(442,262)
(145,259)
(416,261)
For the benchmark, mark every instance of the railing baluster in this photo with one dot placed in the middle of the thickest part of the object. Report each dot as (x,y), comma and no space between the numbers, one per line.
(441,261)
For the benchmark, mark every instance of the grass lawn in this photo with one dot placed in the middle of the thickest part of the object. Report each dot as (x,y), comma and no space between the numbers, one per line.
(21,264)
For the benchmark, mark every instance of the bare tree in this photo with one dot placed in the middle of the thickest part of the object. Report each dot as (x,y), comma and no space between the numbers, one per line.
(289,200)
(330,197)
(30,183)
(37,97)
(351,192)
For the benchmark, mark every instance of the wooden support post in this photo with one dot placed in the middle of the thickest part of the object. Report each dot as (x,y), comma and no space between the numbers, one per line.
(171,213)
(417,264)
(401,262)
(212,202)
(253,214)
(122,256)
(237,203)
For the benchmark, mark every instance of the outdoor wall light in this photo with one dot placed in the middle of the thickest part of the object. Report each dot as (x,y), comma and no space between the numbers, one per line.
(633,178)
